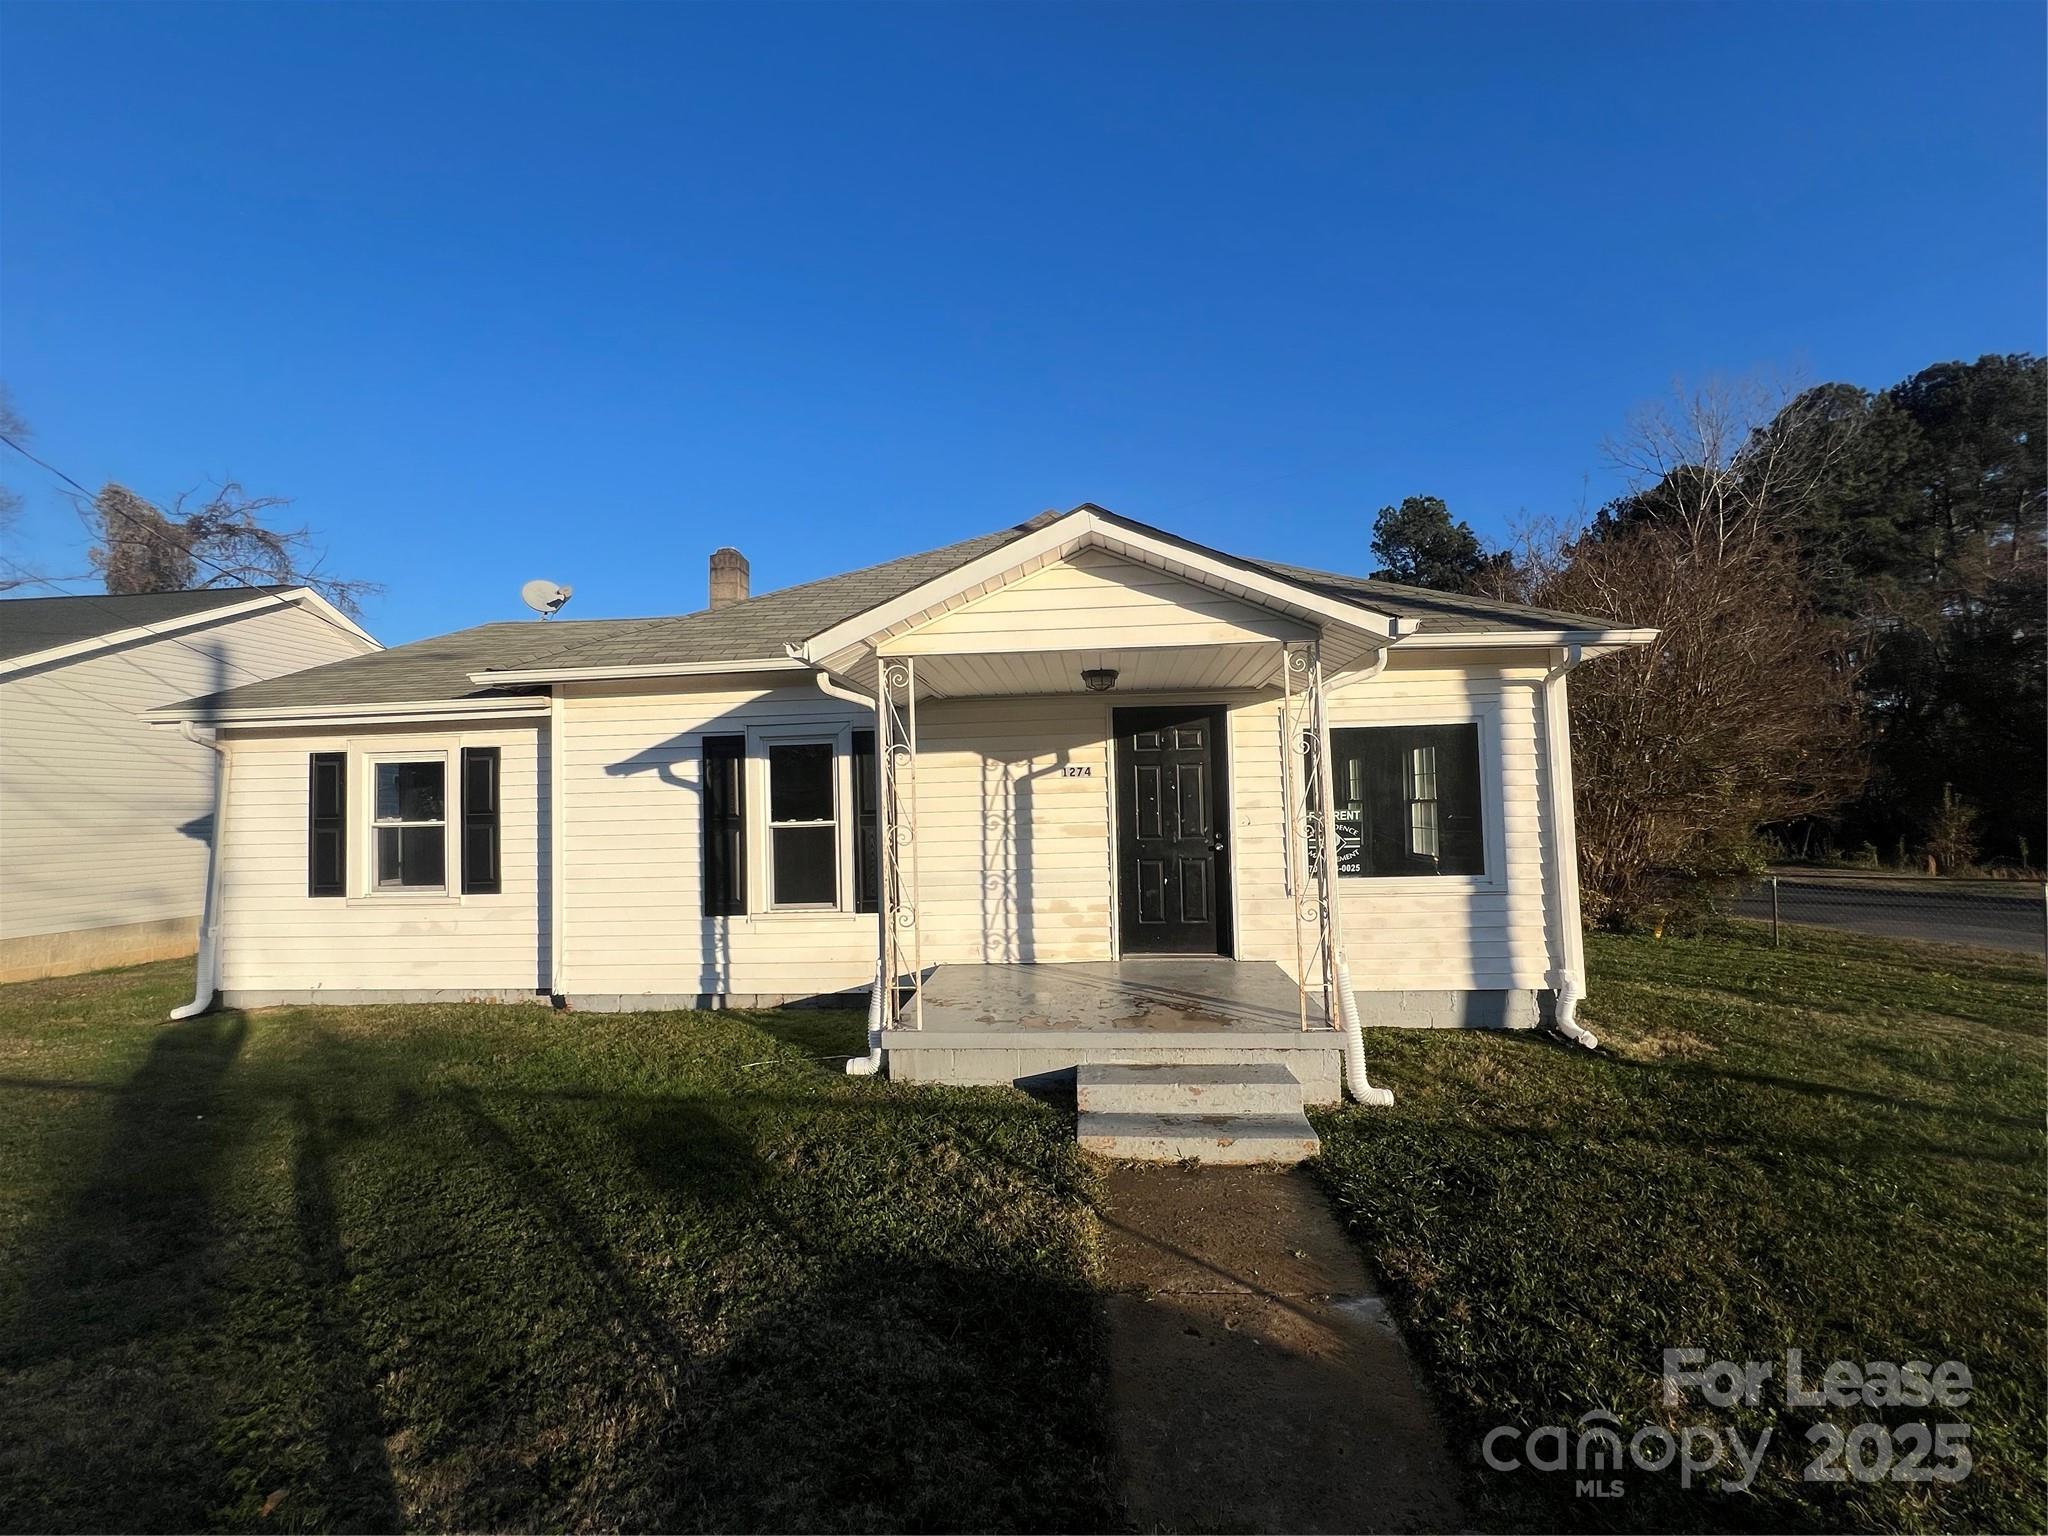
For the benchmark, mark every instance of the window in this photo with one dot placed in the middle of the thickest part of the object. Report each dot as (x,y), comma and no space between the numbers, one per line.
(867,845)
(722,798)
(1407,800)
(803,828)
(410,824)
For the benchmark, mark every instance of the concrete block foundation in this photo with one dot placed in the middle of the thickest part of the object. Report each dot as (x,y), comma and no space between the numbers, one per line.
(32,956)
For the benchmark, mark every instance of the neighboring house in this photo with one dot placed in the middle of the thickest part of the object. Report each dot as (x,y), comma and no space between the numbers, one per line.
(1092,830)
(105,820)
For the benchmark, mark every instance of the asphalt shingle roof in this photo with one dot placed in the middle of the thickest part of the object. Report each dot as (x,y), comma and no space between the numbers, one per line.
(32,624)
(1441,612)
(762,626)
(426,670)
(759,628)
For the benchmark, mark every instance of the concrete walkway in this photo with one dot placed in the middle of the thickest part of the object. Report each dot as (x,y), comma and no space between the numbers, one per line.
(1256,1382)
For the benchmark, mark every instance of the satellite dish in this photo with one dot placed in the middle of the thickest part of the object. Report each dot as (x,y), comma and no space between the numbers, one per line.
(544,597)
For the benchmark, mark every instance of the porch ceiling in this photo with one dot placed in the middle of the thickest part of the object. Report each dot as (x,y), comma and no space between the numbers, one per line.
(1158,669)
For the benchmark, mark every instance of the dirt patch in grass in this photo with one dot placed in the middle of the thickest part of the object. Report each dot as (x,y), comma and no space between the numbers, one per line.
(1835,1147)
(476,1267)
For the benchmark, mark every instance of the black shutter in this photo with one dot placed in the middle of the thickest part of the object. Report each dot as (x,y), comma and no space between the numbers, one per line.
(867,847)
(723,797)
(481,875)
(327,824)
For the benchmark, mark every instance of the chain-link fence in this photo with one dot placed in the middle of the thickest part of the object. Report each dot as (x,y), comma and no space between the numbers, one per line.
(2010,915)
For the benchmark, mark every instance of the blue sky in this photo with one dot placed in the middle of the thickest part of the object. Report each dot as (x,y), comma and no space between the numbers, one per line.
(584,292)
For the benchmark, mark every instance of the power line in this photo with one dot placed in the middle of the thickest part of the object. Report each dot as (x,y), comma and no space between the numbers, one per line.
(158,534)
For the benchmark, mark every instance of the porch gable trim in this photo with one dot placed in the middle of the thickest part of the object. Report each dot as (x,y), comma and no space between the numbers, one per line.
(1088,526)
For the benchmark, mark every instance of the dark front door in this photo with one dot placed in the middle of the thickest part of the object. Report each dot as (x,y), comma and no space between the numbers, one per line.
(1173,863)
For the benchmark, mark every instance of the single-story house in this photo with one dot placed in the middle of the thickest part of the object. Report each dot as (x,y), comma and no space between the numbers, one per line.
(1077,790)
(104,820)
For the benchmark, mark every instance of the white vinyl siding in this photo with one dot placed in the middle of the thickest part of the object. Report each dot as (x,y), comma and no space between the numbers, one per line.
(1013,829)
(277,938)
(1015,847)
(103,819)
(633,893)
(1113,600)
(1455,932)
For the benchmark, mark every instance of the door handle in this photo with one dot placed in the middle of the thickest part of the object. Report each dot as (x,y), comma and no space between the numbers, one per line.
(1217,845)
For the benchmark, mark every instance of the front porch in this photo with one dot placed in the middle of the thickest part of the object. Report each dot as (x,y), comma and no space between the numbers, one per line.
(1032,1025)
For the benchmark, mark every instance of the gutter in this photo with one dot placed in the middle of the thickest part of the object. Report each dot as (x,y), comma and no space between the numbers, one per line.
(393,712)
(206,975)
(870,1064)
(494,677)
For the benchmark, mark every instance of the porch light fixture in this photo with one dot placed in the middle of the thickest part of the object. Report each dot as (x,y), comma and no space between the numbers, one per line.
(1098,679)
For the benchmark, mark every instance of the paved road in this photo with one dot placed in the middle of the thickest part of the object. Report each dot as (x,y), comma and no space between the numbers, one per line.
(1944,914)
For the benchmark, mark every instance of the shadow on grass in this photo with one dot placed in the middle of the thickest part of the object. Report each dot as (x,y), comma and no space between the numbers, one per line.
(133,1247)
(820,1032)
(1809,1089)
(132,1388)
(356,1491)
(365,1282)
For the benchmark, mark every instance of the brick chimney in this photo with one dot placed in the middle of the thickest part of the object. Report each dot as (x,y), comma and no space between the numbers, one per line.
(728,577)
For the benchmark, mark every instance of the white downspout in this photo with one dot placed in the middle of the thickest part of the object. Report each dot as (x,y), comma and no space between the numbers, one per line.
(870,1064)
(1568,980)
(206,973)
(1355,1078)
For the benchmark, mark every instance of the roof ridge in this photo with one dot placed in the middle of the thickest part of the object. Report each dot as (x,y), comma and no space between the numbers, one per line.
(1032,524)
(122,597)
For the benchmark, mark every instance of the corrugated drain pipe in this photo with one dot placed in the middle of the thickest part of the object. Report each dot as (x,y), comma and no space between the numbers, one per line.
(870,1064)
(206,976)
(1354,1044)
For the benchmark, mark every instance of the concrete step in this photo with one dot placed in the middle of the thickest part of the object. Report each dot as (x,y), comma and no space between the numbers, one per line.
(1236,1088)
(1281,1139)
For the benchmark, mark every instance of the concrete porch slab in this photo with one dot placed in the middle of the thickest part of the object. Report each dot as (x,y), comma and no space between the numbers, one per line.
(1033,1025)
(1156,996)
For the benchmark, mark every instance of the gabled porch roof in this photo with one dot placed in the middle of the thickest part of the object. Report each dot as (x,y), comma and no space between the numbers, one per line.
(1090,527)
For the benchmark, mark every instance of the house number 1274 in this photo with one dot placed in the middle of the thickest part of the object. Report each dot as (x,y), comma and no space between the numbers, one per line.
(1080,770)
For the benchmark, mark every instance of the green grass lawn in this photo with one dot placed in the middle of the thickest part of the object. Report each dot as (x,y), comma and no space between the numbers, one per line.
(489,1267)
(1836,1146)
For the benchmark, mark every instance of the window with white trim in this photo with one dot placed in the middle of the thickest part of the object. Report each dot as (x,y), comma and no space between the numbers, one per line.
(1408,800)
(409,825)
(803,824)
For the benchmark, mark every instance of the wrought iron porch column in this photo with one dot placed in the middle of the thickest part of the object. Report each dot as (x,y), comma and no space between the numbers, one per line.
(1331,845)
(1311,824)
(896,761)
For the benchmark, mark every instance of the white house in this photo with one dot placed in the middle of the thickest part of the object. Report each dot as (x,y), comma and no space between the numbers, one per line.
(1064,784)
(105,821)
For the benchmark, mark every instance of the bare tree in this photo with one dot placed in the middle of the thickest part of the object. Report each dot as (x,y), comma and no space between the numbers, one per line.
(224,541)
(1729,461)
(1742,712)
(13,427)
(12,573)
